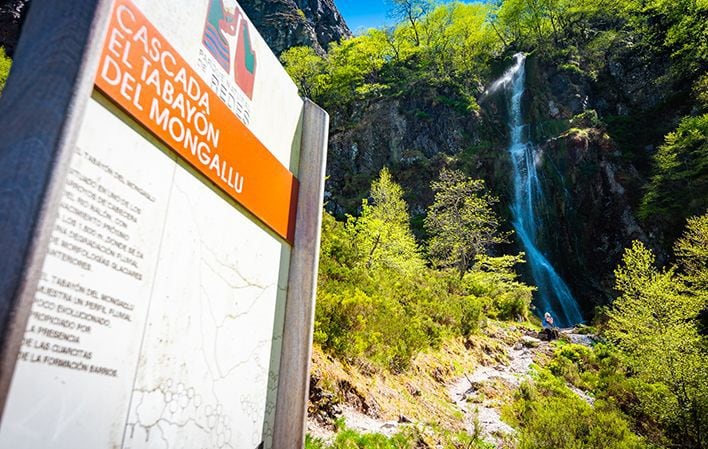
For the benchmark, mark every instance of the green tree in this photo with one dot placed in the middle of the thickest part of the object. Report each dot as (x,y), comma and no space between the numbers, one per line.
(460,221)
(400,47)
(354,67)
(554,26)
(681,27)
(459,41)
(654,325)
(700,91)
(411,11)
(527,21)
(350,70)
(692,253)
(377,301)
(381,235)
(307,69)
(679,184)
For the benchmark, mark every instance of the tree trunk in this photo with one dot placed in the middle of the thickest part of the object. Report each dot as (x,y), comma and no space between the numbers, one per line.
(373,249)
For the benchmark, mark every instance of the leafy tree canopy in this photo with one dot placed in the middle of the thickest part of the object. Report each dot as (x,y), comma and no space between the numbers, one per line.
(679,185)
(460,221)
(654,323)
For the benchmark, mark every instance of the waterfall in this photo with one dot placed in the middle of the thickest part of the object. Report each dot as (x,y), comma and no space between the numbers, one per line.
(553,296)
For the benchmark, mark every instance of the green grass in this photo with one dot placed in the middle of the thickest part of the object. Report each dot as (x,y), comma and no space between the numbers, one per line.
(409,438)
(351,439)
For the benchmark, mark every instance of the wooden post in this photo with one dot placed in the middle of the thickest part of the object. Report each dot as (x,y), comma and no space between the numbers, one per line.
(293,382)
(40,114)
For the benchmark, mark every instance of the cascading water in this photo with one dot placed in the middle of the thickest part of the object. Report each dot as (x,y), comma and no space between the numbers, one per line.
(554,296)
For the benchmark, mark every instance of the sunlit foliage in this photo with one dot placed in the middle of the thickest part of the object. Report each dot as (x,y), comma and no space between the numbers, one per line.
(655,325)
(461,221)
(5,63)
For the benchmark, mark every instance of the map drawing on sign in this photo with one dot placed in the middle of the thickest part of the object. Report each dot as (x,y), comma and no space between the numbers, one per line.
(205,373)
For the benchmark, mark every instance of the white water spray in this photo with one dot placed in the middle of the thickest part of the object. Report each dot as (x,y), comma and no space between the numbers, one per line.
(508,77)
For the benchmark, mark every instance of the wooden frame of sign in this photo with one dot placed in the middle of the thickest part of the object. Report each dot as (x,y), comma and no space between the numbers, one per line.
(41,112)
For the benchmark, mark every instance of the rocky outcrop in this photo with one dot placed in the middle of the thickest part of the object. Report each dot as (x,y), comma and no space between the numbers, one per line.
(412,134)
(12,14)
(326,20)
(631,80)
(587,208)
(288,23)
(634,80)
(283,23)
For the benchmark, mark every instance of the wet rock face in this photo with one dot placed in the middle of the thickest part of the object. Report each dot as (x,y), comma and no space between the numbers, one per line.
(633,79)
(568,92)
(555,92)
(587,204)
(289,23)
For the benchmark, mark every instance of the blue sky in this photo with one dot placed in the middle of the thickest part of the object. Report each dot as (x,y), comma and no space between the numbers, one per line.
(363,14)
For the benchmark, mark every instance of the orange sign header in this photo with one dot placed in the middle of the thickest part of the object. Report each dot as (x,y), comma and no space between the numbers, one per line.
(144,75)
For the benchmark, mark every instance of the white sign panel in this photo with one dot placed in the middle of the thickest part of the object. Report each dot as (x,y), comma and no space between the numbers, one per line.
(158,319)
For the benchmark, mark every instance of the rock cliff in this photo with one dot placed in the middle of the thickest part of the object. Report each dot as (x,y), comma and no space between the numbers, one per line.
(283,23)
(413,133)
(288,23)
(596,133)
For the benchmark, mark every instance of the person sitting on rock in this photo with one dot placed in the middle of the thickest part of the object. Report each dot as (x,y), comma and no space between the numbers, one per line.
(548,319)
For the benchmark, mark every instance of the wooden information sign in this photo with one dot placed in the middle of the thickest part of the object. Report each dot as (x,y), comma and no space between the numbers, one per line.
(145,76)
(161,184)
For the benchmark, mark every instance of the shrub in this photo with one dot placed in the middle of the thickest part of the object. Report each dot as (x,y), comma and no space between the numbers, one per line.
(494,278)
(567,422)
(377,300)
(5,63)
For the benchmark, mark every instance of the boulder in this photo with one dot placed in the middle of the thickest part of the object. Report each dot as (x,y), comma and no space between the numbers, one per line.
(549,334)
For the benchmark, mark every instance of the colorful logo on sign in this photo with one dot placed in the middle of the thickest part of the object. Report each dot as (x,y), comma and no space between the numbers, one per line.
(224,26)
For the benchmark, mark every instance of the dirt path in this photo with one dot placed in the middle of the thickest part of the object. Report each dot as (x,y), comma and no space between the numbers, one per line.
(474,394)
(482,416)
